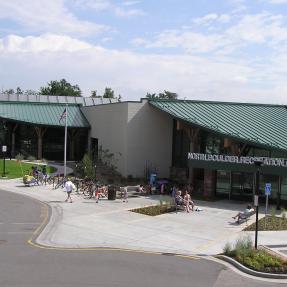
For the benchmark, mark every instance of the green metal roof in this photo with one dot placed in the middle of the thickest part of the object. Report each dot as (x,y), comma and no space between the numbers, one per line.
(257,124)
(43,114)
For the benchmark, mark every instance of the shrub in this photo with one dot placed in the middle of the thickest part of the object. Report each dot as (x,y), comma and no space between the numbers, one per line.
(227,249)
(273,216)
(283,213)
(19,157)
(31,158)
(86,168)
(243,246)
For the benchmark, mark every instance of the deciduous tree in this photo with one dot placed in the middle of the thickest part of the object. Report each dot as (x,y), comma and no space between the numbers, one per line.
(61,88)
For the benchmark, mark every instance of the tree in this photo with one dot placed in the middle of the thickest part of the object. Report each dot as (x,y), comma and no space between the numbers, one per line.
(61,88)
(168,95)
(86,168)
(151,96)
(9,92)
(165,95)
(94,94)
(31,92)
(19,91)
(109,93)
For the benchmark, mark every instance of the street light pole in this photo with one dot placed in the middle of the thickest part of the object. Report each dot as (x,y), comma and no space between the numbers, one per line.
(256,198)
(4,149)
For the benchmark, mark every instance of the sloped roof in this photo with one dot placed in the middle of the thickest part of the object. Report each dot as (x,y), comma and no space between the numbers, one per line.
(258,124)
(43,114)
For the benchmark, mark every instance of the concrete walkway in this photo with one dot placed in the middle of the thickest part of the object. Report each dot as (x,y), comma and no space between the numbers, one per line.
(84,223)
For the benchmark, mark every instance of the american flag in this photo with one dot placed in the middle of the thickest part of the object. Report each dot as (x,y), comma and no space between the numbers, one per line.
(63,115)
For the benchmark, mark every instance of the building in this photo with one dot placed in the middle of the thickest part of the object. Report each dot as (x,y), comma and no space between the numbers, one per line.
(213,145)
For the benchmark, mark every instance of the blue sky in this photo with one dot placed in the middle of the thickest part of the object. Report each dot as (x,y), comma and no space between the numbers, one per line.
(227,50)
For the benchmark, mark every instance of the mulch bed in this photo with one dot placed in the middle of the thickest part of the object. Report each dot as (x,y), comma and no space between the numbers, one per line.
(154,209)
(269,223)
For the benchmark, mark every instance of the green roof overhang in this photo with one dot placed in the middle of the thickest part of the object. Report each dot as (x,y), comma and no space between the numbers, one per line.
(257,124)
(46,114)
(237,167)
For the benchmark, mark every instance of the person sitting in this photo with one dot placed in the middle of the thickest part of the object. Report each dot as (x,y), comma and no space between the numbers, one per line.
(141,189)
(178,198)
(187,201)
(242,215)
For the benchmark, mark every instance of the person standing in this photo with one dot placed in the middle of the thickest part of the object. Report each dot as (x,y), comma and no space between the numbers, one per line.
(126,195)
(162,189)
(173,191)
(69,186)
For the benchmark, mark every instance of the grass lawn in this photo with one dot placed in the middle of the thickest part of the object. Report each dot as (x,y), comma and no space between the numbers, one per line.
(13,169)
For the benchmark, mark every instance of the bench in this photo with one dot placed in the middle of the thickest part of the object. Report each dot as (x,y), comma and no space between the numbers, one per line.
(178,207)
(245,217)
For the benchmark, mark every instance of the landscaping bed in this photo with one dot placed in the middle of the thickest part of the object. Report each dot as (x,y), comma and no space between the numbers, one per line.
(256,259)
(269,223)
(155,209)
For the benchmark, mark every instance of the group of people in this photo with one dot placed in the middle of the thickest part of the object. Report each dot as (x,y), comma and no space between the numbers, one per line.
(39,174)
(184,200)
(97,191)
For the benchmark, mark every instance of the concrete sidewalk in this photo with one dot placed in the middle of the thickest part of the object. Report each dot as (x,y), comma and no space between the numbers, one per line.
(84,223)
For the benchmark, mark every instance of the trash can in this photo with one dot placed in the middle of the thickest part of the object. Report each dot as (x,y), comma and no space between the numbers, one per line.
(112,192)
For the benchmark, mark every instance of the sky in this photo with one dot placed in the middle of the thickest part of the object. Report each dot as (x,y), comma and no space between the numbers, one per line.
(219,50)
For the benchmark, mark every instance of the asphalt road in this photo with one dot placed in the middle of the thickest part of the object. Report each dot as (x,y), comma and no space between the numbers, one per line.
(22,264)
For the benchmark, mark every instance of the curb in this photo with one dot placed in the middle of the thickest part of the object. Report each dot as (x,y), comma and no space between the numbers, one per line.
(250,271)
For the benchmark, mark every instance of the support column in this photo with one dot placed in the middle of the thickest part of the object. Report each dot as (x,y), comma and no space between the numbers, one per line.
(40,133)
(72,135)
(193,134)
(278,201)
(13,137)
(209,185)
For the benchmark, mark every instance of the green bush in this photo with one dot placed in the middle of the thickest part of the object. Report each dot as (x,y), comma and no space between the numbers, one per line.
(86,168)
(19,157)
(262,261)
(227,249)
(31,158)
(243,246)
(273,216)
(283,213)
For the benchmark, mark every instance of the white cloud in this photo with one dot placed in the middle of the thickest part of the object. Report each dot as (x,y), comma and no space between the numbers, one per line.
(29,64)
(46,16)
(259,28)
(97,5)
(264,29)
(48,42)
(106,5)
(130,3)
(189,41)
(277,1)
(210,18)
(121,12)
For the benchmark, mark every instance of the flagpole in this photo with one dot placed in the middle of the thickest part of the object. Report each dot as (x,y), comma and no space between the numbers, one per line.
(65,144)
